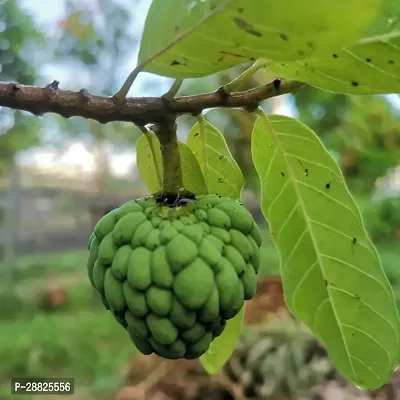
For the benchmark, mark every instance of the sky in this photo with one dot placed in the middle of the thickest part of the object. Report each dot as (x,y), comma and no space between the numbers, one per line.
(76,154)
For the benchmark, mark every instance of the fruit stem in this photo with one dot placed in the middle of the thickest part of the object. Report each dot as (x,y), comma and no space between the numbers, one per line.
(171,160)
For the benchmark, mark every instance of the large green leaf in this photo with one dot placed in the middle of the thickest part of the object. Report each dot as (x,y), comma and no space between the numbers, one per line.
(333,280)
(150,165)
(372,66)
(193,38)
(223,346)
(223,175)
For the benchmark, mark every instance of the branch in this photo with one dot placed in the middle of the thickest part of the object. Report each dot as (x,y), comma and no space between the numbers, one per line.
(139,110)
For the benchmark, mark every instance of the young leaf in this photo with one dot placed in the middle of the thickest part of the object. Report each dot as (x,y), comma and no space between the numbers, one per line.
(372,66)
(148,165)
(223,174)
(193,38)
(333,280)
(223,346)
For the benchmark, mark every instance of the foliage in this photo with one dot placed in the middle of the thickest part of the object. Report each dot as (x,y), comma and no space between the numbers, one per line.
(18,36)
(332,275)
(390,212)
(315,223)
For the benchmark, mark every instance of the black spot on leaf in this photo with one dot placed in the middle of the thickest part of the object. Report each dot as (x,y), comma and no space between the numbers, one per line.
(354,240)
(328,185)
(242,24)
(335,56)
(221,157)
(310,45)
(282,174)
(240,10)
(354,83)
(220,180)
(368,59)
(391,62)
(306,171)
(175,62)
(284,37)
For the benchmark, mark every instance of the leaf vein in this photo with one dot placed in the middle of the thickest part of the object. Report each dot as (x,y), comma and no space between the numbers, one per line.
(286,220)
(365,304)
(277,196)
(353,267)
(329,197)
(299,137)
(346,236)
(370,337)
(365,365)
(294,249)
(302,280)
(371,65)
(315,163)
(268,170)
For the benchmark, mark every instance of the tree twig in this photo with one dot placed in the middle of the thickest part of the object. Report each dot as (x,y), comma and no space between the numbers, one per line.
(173,91)
(139,110)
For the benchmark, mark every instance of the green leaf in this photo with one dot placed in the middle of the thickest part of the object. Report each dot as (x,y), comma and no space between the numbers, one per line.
(372,66)
(223,175)
(333,280)
(193,38)
(151,169)
(388,20)
(223,346)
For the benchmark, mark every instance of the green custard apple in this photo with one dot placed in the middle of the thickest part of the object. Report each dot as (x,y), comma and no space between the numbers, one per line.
(173,271)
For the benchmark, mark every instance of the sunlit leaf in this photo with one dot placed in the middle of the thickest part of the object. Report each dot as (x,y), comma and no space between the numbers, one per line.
(223,346)
(151,169)
(388,20)
(223,175)
(333,280)
(194,38)
(372,66)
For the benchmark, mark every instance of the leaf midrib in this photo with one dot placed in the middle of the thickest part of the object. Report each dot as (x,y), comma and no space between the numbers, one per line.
(183,35)
(309,226)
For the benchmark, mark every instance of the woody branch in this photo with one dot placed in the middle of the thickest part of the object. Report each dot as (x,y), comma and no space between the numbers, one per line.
(139,110)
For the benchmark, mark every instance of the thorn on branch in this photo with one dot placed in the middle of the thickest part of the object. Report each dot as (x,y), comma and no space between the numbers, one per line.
(224,97)
(195,113)
(85,95)
(51,89)
(53,86)
(277,84)
(251,107)
(13,89)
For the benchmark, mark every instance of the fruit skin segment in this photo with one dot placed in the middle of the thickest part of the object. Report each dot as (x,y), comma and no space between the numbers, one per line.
(173,272)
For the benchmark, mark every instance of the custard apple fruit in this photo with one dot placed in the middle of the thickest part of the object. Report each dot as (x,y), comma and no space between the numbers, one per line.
(173,274)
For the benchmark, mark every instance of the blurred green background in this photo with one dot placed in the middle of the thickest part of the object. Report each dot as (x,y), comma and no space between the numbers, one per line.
(58,177)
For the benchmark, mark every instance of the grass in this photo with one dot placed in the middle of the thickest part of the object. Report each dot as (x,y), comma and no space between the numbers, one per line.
(90,347)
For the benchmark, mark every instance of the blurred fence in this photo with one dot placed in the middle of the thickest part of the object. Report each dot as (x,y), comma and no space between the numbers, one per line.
(54,219)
